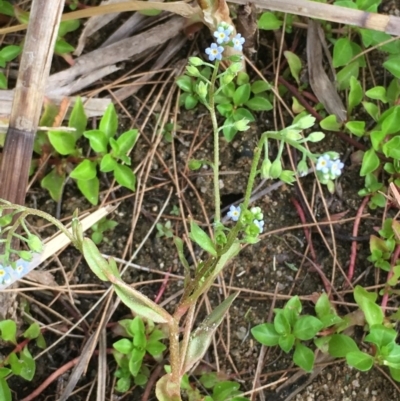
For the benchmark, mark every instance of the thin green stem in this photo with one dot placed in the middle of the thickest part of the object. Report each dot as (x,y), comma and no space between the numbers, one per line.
(211,108)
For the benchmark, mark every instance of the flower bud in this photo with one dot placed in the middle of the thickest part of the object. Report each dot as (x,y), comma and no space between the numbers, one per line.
(196,61)
(266,168)
(276,169)
(192,71)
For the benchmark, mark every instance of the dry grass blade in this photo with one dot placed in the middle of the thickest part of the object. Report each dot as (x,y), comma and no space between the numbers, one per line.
(178,7)
(124,49)
(327,12)
(93,107)
(25,113)
(320,83)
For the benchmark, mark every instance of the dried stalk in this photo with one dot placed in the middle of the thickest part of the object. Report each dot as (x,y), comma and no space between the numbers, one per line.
(34,70)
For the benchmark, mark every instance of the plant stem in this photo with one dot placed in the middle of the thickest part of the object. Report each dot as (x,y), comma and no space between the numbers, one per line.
(211,108)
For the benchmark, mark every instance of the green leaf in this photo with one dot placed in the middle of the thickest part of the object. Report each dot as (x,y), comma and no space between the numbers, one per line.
(185,83)
(125,176)
(242,113)
(155,348)
(98,140)
(392,148)
(135,362)
(303,357)
(390,120)
(242,77)
(200,339)
(3,81)
(28,365)
(201,238)
(330,123)
(54,183)
(242,94)
(370,162)
(8,331)
(124,346)
(191,102)
(395,373)
(360,360)
(85,171)
(90,189)
(286,342)
(372,109)
(225,109)
(342,52)
(260,86)
(78,119)
(266,334)
(340,345)
(63,142)
(315,137)
(269,21)
(7,8)
(281,323)
(5,393)
(381,336)
(32,331)
(127,140)
(139,334)
(109,121)
(9,53)
(63,47)
(68,26)
(258,103)
(4,372)
(392,64)
(307,327)
(378,93)
(323,306)
(344,75)
(229,130)
(295,64)
(107,163)
(356,127)
(225,390)
(355,95)
(373,312)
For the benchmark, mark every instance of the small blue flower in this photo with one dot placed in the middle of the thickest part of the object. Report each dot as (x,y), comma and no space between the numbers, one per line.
(214,52)
(336,168)
(259,224)
(234,213)
(222,35)
(238,42)
(5,277)
(324,164)
(22,268)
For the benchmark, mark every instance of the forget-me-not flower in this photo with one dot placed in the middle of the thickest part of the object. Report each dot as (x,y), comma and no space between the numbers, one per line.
(214,52)
(336,168)
(234,213)
(5,276)
(222,35)
(259,224)
(22,268)
(238,42)
(324,164)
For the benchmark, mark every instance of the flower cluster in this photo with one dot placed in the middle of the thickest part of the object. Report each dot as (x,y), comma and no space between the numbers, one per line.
(254,217)
(223,38)
(331,168)
(8,275)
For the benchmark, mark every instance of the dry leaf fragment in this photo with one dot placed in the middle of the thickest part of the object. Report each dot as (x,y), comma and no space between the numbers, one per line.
(320,83)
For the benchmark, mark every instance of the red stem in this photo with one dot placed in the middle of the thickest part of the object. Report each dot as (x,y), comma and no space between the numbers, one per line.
(307,231)
(353,255)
